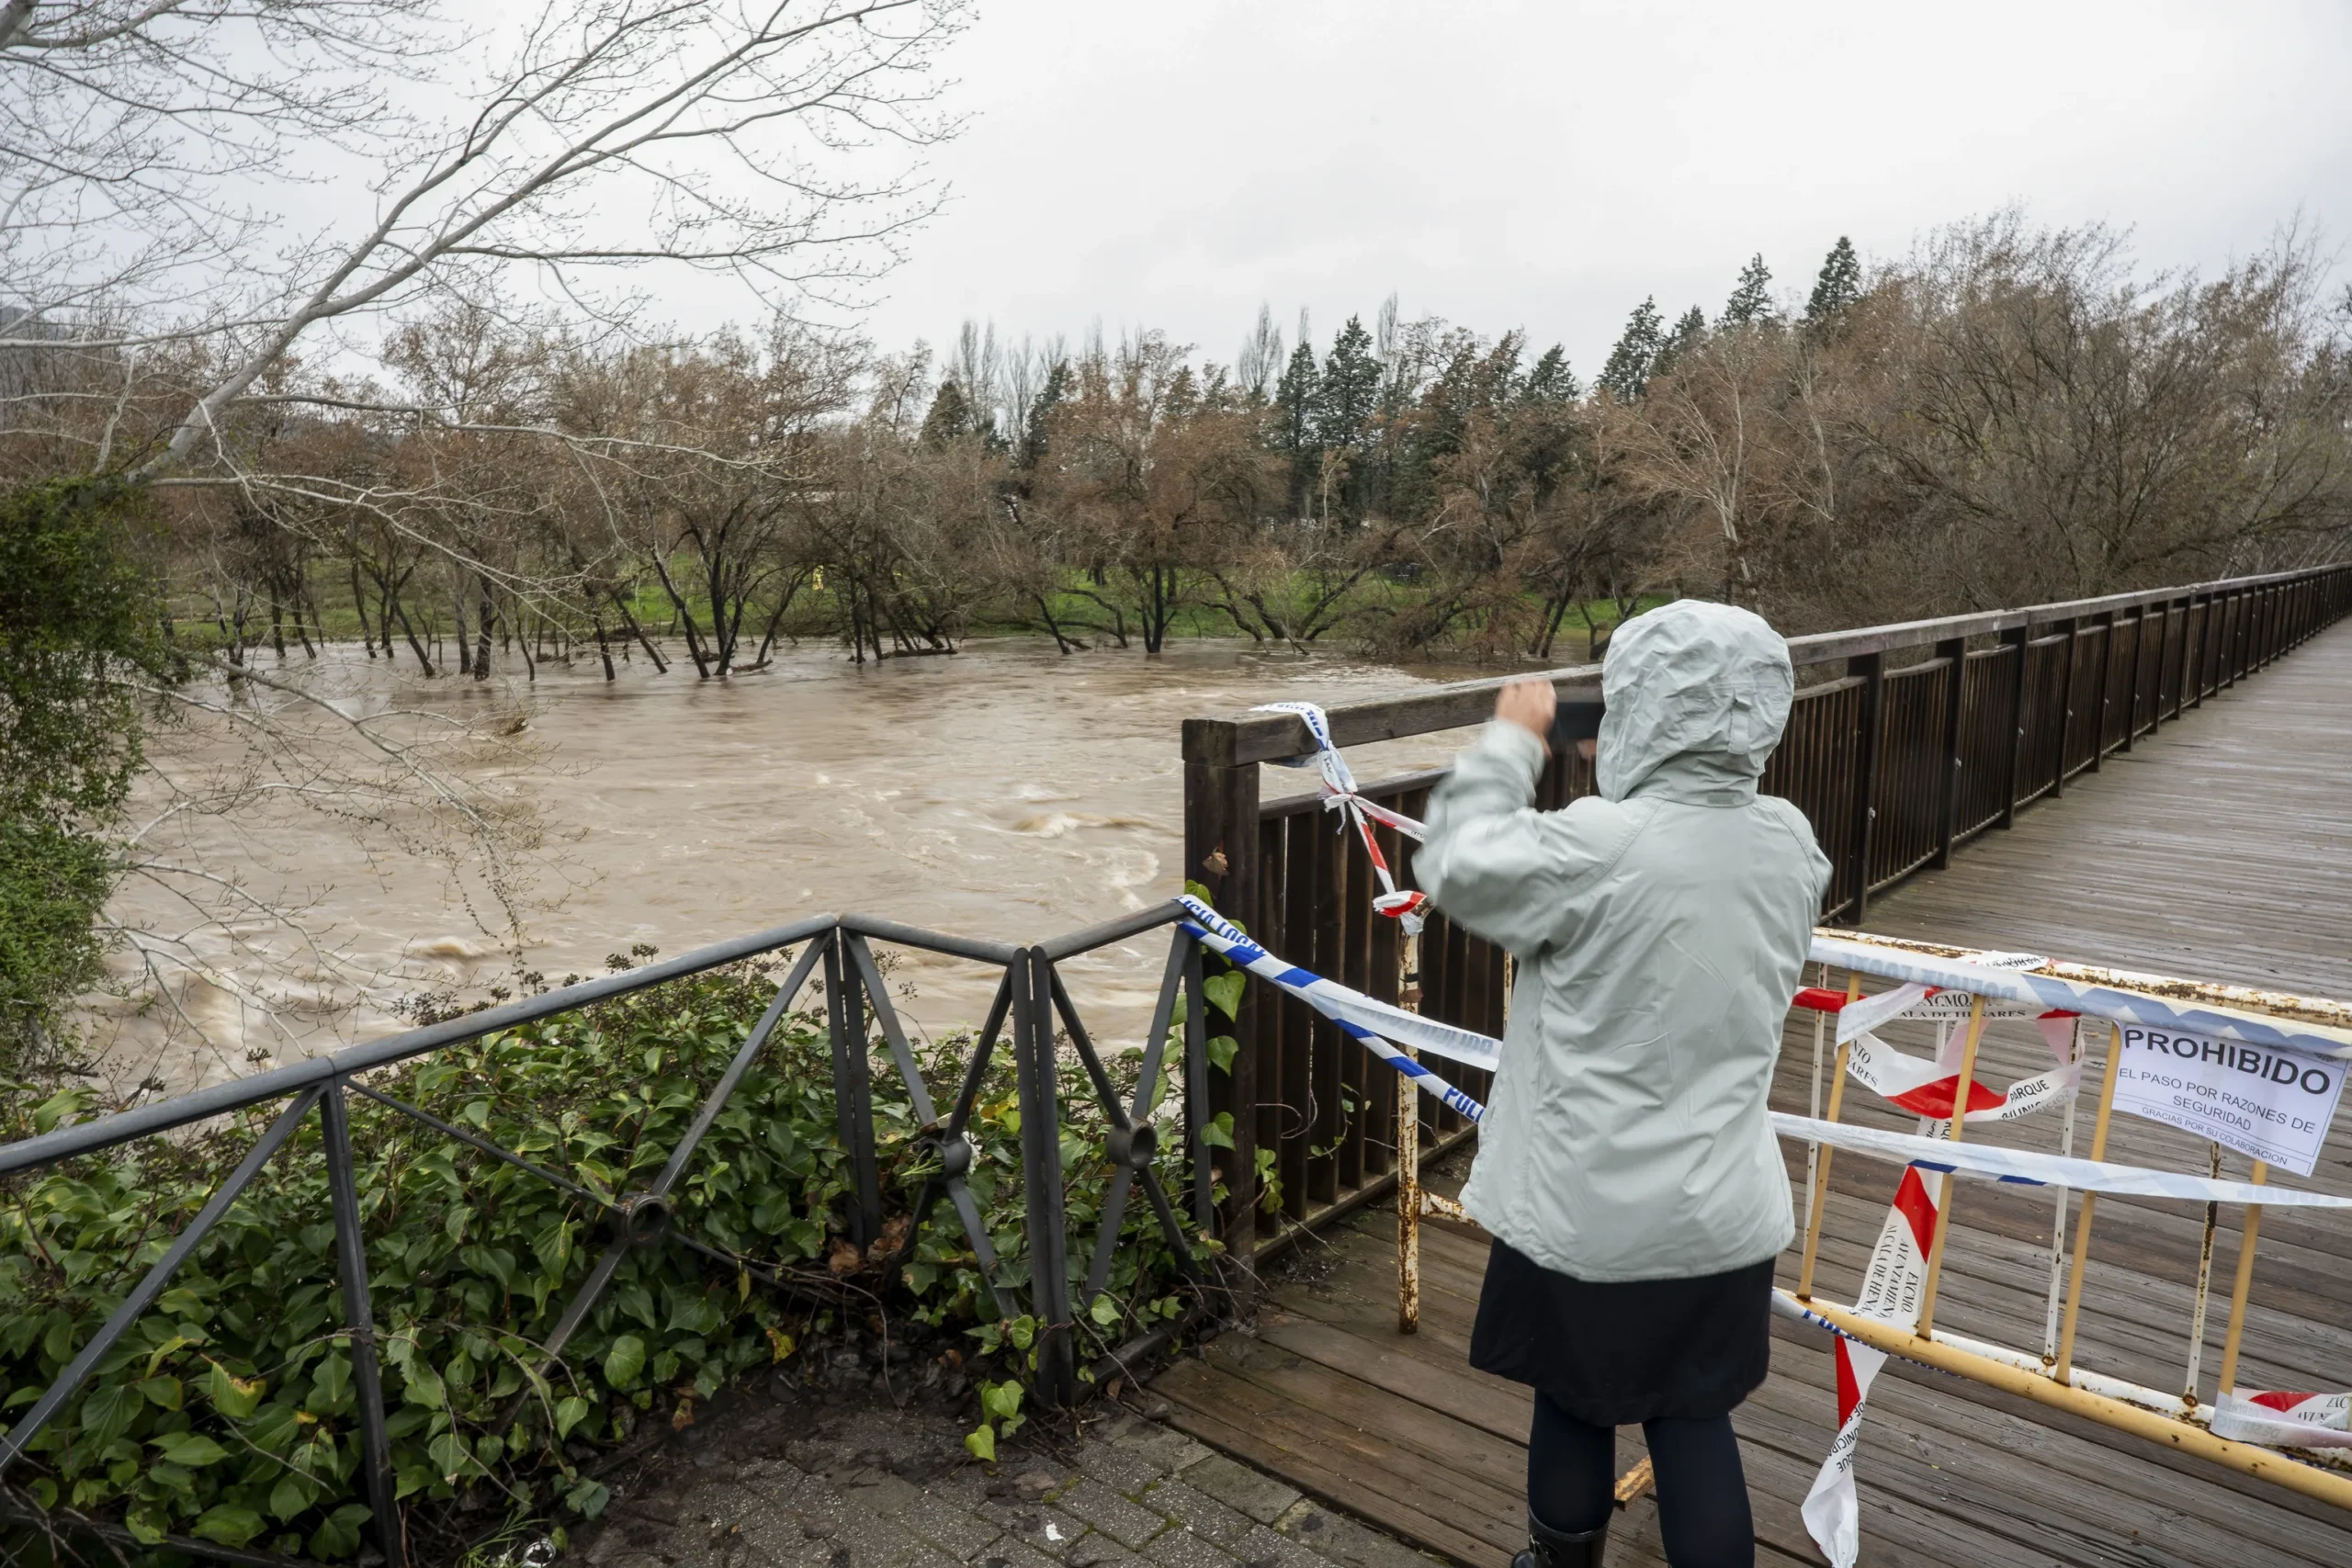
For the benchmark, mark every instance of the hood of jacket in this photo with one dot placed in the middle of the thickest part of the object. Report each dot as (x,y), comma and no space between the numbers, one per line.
(1697,696)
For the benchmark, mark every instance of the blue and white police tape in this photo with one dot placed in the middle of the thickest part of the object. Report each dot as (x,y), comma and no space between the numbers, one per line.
(1339,1003)
(2031,1168)
(1221,937)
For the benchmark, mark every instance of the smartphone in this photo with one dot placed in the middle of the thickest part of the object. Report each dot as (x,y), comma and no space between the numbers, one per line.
(1575,719)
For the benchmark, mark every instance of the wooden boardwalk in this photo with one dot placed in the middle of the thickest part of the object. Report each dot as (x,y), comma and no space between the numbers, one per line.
(2220,850)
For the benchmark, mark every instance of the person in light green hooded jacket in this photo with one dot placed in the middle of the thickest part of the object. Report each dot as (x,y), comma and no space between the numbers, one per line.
(1626,1167)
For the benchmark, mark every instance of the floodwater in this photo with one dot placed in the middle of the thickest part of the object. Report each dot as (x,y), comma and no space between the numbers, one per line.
(1008,793)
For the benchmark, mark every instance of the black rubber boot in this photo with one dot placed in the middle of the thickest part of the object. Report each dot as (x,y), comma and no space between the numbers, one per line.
(1548,1548)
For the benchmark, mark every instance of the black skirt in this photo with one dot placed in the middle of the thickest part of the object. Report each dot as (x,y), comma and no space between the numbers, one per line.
(1621,1354)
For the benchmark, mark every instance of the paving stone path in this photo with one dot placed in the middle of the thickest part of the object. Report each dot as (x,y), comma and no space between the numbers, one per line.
(873,1487)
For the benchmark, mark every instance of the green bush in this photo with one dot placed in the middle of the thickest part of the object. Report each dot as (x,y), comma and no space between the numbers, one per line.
(229,1414)
(81,627)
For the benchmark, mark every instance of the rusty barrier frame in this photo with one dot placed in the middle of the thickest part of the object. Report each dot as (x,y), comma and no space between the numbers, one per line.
(1905,741)
(1030,995)
(2051,1376)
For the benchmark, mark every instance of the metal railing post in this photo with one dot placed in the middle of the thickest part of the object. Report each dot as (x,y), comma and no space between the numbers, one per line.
(1041,1173)
(1196,1092)
(852,1091)
(359,1321)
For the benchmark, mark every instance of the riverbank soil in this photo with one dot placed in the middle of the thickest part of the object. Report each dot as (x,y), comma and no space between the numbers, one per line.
(798,1474)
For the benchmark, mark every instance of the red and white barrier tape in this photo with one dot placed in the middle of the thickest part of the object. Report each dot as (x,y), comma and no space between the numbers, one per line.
(1891,1292)
(1927,1088)
(2279,1419)
(1406,905)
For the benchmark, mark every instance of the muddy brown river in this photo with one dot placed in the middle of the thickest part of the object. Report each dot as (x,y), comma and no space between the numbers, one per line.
(1007,792)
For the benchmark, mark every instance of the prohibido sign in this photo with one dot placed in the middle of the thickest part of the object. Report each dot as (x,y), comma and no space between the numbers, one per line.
(2272,1105)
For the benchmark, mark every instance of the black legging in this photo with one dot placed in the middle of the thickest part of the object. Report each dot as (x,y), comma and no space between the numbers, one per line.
(1702,1491)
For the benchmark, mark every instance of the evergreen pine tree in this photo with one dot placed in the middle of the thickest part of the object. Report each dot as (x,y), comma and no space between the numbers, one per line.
(1295,396)
(1689,330)
(950,417)
(1350,392)
(1839,285)
(1550,381)
(1347,401)
(1033,438)
(1751,299)
(1628,369)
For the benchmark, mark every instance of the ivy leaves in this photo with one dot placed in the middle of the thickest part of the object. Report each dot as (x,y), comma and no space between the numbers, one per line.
(231,1411)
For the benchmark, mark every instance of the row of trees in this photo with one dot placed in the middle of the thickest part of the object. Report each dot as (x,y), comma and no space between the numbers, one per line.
(2010,414)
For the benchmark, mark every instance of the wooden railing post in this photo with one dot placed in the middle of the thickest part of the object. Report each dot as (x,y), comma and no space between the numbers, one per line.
(1221,853)
(2105,683)
(2139,662)
(2241,634)
(2073,629)
(1871,667)
(2021,642)
(1955,693)
(2180,677)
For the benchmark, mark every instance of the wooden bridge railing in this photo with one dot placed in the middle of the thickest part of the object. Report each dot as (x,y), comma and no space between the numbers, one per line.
(1907,740)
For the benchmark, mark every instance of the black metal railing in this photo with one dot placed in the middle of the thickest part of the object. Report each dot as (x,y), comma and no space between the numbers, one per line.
(1905,742)
(1032,1002)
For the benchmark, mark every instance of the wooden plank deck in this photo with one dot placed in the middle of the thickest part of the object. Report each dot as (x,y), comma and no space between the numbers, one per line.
(2220,850)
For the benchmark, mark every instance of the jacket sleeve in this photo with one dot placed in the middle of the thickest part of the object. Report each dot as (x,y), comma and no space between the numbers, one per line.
(1498,866)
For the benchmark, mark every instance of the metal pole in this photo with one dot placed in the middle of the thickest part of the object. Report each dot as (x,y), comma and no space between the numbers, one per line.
(1813,1103)
(2090,1203)
(1032,1038)
(1951,1179)
(2058,1220)
(1196,1093)
(2229,1377)
(359,1317)
(1821,1173)
(1408,1146)
(852,1092)
(2167,1432)
(2204,1290)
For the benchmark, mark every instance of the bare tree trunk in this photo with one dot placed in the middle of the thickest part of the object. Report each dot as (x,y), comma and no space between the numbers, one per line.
(424,662)
(359,608)
(604,650)
(302,631)
(520,637)
(465,647)
(489,614)
(660,666)
(679,613)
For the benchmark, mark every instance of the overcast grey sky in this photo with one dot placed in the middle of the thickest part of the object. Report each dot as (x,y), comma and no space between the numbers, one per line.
(1547,164)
